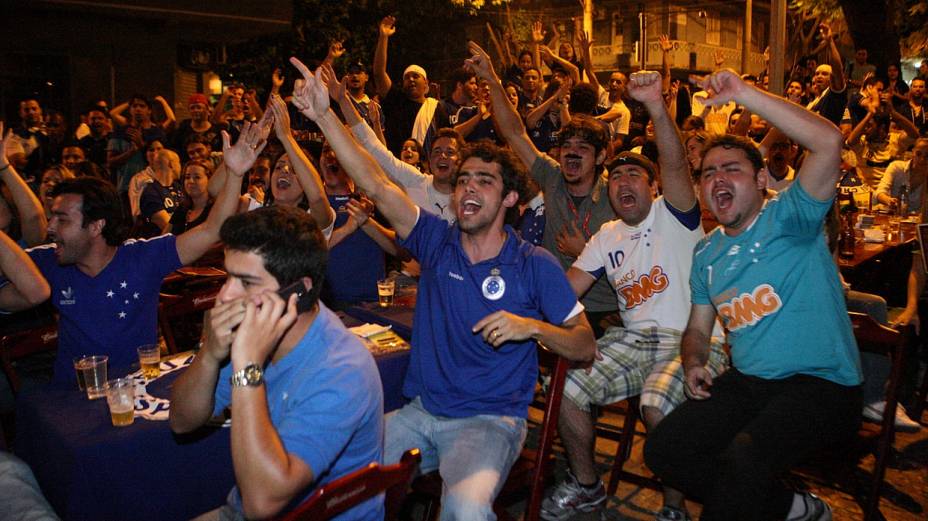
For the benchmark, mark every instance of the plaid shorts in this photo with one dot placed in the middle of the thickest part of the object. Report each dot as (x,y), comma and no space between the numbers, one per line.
(643,362)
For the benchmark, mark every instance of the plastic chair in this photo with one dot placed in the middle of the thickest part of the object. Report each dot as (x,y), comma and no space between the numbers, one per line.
(357,487)
(534,466)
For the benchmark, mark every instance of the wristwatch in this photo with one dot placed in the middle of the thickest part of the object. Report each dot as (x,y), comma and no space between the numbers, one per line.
(251,376)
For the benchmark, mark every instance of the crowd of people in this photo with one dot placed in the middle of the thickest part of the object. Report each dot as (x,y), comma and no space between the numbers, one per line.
(533,204)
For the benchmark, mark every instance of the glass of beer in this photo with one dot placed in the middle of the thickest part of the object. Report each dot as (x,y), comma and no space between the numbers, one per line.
(94,371)
(120,396)
(385,291)
(79,370)
(150,359)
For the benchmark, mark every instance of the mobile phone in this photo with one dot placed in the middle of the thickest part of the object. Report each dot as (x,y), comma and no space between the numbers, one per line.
(302,295)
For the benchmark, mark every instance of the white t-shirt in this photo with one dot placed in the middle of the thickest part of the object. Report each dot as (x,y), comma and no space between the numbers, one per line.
(420,187)
(647,265)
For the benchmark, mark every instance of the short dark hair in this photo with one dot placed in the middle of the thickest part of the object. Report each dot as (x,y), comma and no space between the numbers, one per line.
(587,128)
(515,177)
(286,238)
(451,134)
(100,201)
(583,99)
(140,97)
(461,75)
(730,141)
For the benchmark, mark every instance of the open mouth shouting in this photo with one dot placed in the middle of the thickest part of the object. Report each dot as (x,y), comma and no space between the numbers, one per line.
(722,198)
(470,206)
(572,164)
(284,182)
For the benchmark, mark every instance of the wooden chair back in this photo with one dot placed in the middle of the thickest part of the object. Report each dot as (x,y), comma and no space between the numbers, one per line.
(357,487)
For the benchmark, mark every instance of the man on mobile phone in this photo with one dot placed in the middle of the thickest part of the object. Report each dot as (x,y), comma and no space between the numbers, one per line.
(305,395)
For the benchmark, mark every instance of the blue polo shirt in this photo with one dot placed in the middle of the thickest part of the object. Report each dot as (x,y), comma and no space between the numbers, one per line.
(455,372)
(325,400)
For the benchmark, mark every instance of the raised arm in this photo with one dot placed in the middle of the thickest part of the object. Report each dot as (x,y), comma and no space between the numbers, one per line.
(645,87)
(238,159)
(336,51)
(311,96)
(169,118)
(666,47)
(510,124)
(531,119)
(27,287)
(400,172)
(858,131)
(31,214)
(219,111)
(838,81)
(571,69)
(820,170)
(586,55)
(116,114)
(381,78)
(309,178)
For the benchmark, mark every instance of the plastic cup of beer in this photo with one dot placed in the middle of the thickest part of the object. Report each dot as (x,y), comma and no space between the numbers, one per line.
(79,371)
(150,360)
(385,290)
(120,396)
(94,369)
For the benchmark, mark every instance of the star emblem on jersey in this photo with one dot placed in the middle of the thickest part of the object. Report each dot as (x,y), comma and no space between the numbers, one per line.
(494,287)
(120,292)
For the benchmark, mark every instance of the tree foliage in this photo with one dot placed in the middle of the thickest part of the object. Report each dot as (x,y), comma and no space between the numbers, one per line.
(429,32)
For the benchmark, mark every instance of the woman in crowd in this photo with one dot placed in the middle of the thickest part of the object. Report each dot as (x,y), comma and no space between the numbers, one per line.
(197,203)
(413,154)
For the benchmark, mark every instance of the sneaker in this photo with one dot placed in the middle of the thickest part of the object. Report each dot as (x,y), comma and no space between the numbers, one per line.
(816,509)
(874,412)
(672,514)
(569,497)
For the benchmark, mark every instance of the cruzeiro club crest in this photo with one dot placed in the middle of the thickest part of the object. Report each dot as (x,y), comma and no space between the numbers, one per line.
(494,287)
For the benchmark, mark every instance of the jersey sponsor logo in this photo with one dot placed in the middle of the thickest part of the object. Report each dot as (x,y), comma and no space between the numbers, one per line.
(748,309)
(454,275)
(645,287)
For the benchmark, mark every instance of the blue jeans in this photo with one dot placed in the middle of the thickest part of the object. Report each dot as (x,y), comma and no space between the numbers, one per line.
(473,455)
(22,498)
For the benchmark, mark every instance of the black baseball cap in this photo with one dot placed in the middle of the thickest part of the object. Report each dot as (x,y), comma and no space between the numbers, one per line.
(356,66)
(631,158)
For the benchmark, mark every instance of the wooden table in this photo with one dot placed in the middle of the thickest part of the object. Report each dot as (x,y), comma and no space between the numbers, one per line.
(882,268)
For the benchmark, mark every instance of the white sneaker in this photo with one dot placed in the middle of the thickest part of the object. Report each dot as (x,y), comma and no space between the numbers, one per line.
(874,412)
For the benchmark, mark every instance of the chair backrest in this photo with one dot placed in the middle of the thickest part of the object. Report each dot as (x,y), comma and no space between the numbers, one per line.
(558,366)
(356,487)
(873,337)
(171,307)
(14,346)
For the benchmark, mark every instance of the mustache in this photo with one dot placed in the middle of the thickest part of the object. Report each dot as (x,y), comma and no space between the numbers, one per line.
(572,156)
